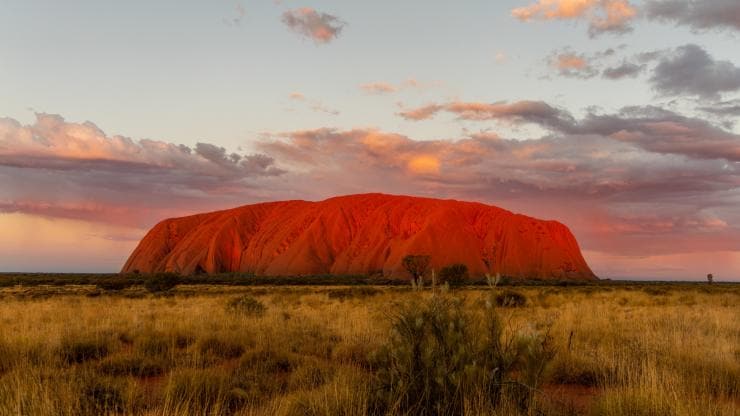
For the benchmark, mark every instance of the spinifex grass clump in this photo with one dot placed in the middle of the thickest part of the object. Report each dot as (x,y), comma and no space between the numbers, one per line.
(73,350)
(511,299)
(247,305)
(439,360)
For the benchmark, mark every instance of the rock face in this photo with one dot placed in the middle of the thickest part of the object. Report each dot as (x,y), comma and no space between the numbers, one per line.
(360,235)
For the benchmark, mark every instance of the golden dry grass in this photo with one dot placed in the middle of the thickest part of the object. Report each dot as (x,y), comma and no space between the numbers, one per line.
(670,350)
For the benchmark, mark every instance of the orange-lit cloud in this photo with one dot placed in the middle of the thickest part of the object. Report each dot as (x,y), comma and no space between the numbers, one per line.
(570,61)
(378,88)
(517,112)
(423,164)
(321,27)
(603,15)
(388,88)
(570,64)
(420,113)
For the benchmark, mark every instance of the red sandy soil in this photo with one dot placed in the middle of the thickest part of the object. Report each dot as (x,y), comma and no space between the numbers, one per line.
(360,235)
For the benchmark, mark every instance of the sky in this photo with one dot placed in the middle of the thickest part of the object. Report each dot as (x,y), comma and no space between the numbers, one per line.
(616,117)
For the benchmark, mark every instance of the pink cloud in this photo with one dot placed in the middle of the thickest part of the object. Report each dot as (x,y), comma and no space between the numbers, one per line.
(61,169)
(517,112)
(603,15)
(420,113)
(320,27)
(378,88)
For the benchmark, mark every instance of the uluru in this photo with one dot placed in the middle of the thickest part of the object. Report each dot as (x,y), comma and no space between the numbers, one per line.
(366,234)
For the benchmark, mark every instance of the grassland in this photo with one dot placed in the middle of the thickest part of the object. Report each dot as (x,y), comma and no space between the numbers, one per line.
(69,347)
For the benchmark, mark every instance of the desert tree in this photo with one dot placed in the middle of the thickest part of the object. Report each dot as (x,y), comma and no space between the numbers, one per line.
(710,278)
(417,265)
(454,274)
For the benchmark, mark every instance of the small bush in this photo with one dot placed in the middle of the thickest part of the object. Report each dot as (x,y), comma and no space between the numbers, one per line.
(247,305)
(206,392)
(454,274)
(437,360)
(78,351)
(183,340)
(161,282)
(114,284)
(655,291)
(575,371)
(262,374)
(353,292)
(103,396)
(153,343)
(510,299)
(216,347)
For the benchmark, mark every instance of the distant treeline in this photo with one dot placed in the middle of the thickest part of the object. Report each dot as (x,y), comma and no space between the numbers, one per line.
(243,279)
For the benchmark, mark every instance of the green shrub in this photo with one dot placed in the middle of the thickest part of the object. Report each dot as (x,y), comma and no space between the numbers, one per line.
(454,274)
(161,282)
(114,284)
(247,305)
(437,359)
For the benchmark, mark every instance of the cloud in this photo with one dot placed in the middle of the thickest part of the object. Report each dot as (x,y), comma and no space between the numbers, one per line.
(378,88)
(421,113)
(320,27)
(690,70)
(240,13)
(572,65)
(664,132)
(697,14)
(723,109)
(623,70)
(650,128)
(537,112)
(603,16)
(388,88)
(74,170)
(313,105)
